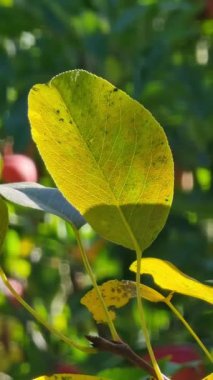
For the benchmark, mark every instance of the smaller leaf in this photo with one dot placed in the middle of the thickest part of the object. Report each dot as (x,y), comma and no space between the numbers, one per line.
(167,276)
(47,199)
(69,376)
(209,377)
(116,294)
(3,221)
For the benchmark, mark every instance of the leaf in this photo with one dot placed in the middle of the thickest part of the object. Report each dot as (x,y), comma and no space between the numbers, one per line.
(167,276)
(106,153)
(3,221)
(116,294)
(124,373)
(42,198)
(209,377)
(69,376)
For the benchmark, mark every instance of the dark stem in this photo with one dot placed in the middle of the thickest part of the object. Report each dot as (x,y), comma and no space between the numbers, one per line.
(122,349)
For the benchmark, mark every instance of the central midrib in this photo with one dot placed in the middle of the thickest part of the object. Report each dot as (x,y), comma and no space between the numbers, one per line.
(115,200)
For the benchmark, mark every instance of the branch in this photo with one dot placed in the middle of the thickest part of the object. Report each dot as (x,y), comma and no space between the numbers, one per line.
(122,349)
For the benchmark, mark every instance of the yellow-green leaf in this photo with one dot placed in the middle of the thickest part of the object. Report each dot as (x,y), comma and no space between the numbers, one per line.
(3,221)
(106,153)
(209,377)
(167,276)
(116,294)
(69,376)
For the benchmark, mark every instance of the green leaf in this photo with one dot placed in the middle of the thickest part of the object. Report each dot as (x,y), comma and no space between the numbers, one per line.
(69,376)
(42,198)
(167,276)
(116,294)
(3,221)
(124,373)
(106,153)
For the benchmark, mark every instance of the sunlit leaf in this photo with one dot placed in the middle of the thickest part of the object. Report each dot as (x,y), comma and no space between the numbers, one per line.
(116,294)
(167,276)
(209,377)
(106,153)
(69,376)
(33,195)
(3,221)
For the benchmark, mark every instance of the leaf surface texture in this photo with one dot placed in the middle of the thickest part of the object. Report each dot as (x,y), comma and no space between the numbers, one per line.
(116,294)
(106,153)
(169,277)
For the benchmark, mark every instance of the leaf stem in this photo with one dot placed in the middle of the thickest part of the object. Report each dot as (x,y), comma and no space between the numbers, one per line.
(142,318)
(88,268)
(186,324)
(40,319)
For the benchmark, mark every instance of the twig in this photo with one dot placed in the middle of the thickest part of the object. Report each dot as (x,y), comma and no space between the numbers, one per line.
(122,349)
(34,313)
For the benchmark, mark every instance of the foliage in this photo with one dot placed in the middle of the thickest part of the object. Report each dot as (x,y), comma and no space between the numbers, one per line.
(167,276)
(118,150)
(159,53)
(70,377)
(144,176)
(42,198)
(128,180)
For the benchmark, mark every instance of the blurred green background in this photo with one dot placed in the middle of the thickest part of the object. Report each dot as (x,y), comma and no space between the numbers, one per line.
(159,52)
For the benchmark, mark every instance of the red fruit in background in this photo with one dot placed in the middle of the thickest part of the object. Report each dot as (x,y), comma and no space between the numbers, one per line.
(182,355)
(184,179)
(66,368)
(19,288)
(209,9)
(18,168)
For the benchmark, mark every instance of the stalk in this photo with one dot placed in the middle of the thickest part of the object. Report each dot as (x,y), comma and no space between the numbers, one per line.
(191,331)
(143,321)
(159,375)
(50,328)
(88,268)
